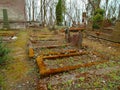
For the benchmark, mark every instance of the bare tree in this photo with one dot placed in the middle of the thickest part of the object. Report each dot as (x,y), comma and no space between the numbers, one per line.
(45,13)
(33,10)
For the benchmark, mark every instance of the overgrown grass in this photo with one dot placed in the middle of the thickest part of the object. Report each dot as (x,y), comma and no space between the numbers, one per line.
(4,51)
(2,82)
(106,50)
(16,68)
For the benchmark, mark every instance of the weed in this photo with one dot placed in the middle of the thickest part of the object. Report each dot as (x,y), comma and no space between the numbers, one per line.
(98,66)
(105,88)
(69,82)
(78,85)
(104,65)
(81,79)
(1,82)
(49,86)
(96,83)
(110,85)
(71,60)
(114,76)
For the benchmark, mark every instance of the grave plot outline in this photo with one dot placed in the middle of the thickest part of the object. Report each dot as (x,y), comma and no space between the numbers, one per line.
(44,71)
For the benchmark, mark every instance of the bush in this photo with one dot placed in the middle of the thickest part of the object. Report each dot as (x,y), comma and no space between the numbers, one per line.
(3,52)
(96,26)
(99,11)
(97,18)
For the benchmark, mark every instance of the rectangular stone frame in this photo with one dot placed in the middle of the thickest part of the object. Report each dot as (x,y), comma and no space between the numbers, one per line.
(44,71)
(52,46)
(31,50)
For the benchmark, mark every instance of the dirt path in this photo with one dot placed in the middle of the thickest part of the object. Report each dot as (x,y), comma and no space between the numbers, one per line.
(20,74)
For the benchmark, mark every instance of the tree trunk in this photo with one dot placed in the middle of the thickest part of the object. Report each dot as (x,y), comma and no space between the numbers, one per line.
(44,2)
(41,10)
(33,8)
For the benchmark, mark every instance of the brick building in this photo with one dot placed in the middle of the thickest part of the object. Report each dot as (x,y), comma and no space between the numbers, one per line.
(15,12)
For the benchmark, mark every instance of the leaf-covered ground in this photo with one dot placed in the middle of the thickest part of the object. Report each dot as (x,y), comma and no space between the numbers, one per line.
(22,72)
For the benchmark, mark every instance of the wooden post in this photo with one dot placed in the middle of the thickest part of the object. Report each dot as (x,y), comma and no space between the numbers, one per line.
(80,39)
(84,18)
(67,35)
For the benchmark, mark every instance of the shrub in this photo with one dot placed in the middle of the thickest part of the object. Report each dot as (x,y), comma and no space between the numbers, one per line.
(96,26)
(98,18)
(3,52)
(99,11)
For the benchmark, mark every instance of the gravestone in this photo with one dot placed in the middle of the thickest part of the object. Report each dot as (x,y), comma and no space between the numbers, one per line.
(5,19)
(76,39)
(89,26)
(116,32)
(67,35)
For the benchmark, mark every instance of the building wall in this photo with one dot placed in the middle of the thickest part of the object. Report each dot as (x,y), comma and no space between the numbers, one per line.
(15,9)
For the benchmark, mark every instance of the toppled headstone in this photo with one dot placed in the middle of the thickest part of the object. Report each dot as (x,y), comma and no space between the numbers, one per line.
(116,32)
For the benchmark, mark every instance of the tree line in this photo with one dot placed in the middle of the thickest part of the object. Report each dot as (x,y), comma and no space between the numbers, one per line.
(59,12)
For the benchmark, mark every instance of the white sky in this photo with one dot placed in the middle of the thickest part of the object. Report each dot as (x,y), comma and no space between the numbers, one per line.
(80,4)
